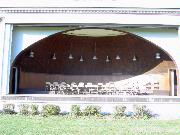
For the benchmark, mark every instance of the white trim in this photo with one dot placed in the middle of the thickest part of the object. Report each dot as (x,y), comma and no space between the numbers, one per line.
(91,3)
(81,102)
(118,96)
(99,18)
(136,11)
(6,59)
(2,33)
(153,99)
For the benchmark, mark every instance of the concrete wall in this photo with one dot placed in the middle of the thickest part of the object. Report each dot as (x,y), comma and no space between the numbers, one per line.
(159,110)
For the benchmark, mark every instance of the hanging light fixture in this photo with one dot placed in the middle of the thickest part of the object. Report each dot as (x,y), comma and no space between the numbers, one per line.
(54,56)
(134,58)
(95,57)
(70,56)
(31,54)
(118,57)
(158,56)
(81,59)
(107,59)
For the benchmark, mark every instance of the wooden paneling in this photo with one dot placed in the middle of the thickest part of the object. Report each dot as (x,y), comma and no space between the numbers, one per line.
(126,46)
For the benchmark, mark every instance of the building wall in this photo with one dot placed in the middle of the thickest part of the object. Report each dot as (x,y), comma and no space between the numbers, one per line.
(167,39)
(153,17)
(165,111)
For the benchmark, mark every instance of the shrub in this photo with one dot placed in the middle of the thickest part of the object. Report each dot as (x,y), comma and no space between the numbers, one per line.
(119,111)
(8,108)
(34,110)
(75,111)
(24,109)
(48,110)
(92,110)
(141,111)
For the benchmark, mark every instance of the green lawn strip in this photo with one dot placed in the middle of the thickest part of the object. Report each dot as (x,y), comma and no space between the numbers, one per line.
(57,125)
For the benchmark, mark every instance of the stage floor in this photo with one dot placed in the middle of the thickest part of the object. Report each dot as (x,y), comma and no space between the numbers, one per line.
(89,98)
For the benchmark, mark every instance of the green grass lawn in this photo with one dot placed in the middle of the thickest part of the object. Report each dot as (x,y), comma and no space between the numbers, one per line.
(36,125)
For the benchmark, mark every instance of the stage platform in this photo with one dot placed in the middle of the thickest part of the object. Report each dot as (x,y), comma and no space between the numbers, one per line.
(164,107)
(89,98)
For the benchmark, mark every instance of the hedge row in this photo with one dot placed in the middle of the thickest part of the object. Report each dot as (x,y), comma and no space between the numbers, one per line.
(140,111)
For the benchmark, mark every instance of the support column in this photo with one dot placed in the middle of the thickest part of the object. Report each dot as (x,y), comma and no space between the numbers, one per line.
(178,72)
(172,82)
(6,58)
(2,33)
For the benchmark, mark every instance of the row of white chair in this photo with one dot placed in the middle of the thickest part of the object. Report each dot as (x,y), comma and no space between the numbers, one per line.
(89,88)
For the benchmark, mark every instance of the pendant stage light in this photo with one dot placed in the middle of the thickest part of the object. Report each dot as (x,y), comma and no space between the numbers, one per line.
(107,59)
(118,57)
(54,56)
(70,56)
(81,59)
(31,54)
(134,58)
(158,56)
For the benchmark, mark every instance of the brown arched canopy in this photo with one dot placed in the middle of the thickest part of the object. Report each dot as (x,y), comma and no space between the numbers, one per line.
(51,55)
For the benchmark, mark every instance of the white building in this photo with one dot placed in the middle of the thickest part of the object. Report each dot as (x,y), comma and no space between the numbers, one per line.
(136,43)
